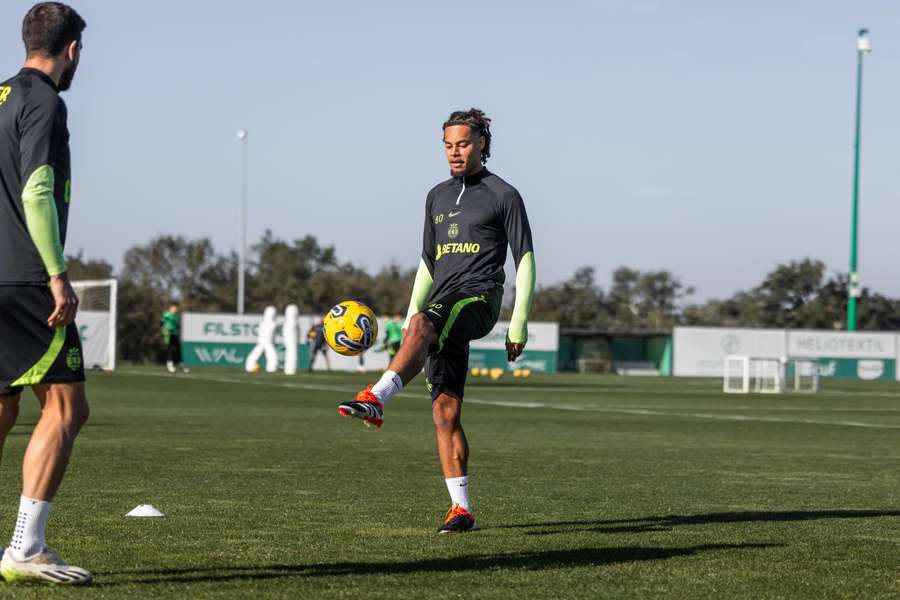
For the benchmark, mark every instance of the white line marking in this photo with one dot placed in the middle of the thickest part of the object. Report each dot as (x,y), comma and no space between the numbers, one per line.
(717,391)
(659,413)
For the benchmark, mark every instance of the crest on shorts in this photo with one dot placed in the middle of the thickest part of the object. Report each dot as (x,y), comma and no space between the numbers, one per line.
(453,231)
(73,359)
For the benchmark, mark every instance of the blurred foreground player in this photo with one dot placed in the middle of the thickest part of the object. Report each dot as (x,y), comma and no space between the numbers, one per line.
(470,219)
(39,343)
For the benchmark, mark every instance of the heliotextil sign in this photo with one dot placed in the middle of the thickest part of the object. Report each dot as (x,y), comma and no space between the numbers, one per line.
(847,354)
(700,351)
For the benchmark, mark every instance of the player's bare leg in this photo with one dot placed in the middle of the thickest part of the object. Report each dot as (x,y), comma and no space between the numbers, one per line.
(9,412)
(64,410)
(453,450)
(369,403)
(410,358)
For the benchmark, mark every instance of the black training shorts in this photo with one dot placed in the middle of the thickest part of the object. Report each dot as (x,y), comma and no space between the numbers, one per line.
(30,351)
(458,319)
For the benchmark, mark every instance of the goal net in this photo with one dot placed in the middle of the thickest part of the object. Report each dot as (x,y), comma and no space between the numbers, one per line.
(803,373)
(96,322)
(767,374)
(736,378)
(745,374)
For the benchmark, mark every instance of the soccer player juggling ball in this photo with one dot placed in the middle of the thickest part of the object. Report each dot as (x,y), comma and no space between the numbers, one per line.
(39,343)
(469,221)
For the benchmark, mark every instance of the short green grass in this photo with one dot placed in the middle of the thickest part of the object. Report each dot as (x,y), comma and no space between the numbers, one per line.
(585,487)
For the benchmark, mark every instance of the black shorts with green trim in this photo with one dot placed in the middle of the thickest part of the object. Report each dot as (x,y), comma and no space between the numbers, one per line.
(458,319)
(30,351)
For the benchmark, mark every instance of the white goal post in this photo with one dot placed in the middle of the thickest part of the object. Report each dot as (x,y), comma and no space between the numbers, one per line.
(96,321)
(804,373)
(766,375)
(736,378)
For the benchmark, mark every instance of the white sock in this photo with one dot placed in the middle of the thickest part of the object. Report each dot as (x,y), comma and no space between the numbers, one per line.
(31,528)
(459,490)
(389,384)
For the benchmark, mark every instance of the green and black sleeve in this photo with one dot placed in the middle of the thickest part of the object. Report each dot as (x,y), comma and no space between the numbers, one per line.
(34,197)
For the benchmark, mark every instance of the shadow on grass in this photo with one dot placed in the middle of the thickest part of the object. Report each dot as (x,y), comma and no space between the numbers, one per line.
(667,522)
(532,561)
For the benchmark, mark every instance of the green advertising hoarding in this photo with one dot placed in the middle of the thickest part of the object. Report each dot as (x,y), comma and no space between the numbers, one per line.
(224,340)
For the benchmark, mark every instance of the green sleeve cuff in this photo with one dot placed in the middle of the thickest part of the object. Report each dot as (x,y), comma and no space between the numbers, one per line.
(420,291)
(525,279)
(42,219)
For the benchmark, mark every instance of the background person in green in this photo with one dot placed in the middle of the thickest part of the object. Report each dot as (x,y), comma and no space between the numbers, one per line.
(393,335)
(171,330)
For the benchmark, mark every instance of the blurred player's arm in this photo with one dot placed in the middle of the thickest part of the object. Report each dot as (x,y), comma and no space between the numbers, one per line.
(424,276)
(518,231)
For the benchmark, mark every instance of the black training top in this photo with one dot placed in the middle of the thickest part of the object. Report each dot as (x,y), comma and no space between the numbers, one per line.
(34,178)
(469,221)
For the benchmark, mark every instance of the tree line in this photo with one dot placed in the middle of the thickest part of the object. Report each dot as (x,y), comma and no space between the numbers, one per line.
(798,294)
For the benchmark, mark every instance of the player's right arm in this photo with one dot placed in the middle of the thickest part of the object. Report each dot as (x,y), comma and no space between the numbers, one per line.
(43,129)
(425,274)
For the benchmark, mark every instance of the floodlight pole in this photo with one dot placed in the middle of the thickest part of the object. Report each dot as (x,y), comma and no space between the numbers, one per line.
(242,249)
(863,47)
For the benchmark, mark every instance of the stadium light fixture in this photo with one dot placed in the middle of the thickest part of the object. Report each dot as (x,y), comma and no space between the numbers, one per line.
(862,41)
(863,47)
(242,248)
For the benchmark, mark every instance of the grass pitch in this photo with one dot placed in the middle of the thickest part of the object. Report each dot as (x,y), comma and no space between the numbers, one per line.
(584,487)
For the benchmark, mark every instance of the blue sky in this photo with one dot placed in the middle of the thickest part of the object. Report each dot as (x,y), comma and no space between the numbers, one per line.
(713,139)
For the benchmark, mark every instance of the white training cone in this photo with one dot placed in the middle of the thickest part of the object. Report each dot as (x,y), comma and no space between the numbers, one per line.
(145,510)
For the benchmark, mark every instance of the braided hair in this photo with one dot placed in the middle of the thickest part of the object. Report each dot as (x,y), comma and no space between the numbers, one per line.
(478,122)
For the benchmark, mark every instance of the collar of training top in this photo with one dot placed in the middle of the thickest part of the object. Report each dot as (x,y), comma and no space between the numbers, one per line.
(474,177)
(40,75)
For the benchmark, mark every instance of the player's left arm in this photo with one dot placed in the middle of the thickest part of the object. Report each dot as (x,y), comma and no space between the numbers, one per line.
(518,231)
(43,129)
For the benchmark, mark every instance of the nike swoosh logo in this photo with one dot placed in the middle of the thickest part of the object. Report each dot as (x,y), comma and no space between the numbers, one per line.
(453,213)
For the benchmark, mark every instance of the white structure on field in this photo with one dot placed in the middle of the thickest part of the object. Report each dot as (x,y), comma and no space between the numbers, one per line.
(265,344)
(96,321)
(761,375)
(291,338)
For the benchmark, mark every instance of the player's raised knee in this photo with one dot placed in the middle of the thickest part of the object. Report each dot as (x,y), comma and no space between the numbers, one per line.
(421,326)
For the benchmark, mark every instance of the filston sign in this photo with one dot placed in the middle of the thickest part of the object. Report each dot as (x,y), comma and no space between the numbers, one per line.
(225,340)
